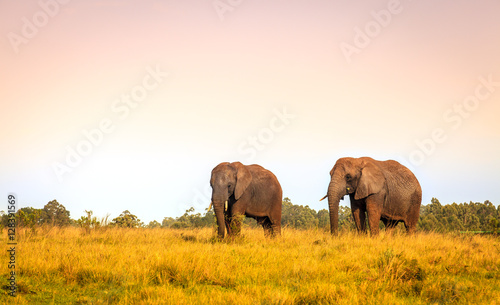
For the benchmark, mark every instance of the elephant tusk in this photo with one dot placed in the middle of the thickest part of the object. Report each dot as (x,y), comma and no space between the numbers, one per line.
(210,206)
(323,197)
(225,206)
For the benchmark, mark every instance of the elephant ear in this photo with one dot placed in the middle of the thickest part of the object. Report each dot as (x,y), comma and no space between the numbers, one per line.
(243,179)
(371,182)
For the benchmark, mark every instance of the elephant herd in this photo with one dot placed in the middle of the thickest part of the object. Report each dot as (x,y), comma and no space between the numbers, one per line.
(379,190)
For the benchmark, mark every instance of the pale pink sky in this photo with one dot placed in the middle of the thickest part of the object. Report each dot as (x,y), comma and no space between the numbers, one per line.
(227,80)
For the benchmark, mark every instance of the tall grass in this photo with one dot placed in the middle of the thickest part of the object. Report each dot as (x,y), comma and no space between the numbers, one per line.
(165,266)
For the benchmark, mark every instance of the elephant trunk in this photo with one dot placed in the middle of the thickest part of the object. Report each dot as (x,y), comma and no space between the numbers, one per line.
(219,214)
(219,200)
(336,190)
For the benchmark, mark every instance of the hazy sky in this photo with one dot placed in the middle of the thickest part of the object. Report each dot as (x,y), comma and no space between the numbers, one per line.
(128,105)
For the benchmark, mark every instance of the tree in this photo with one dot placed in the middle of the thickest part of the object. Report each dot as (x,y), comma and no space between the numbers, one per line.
(4,219)
(346,222)
(127,220)
(453,223)
(194,220)
(323,218)
(209,219)
(472,216)
(90,222)
(154,224)
(55,214)
(167,222)
(494,225)
(298,216)
(29,217)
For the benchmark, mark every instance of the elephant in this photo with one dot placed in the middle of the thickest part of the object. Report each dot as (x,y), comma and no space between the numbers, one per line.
(245,190)
(385,190)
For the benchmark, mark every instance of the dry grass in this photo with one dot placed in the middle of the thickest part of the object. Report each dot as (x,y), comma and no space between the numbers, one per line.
(159,266)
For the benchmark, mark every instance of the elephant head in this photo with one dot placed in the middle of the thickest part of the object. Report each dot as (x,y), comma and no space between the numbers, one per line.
(229,182)
(359,177)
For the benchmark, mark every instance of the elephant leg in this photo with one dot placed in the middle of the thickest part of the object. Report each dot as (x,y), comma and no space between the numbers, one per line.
(237,219)
(413,215)
(410,227)
(276,229)
(237,216)
(267,226)
(373,204)
(233,223)
(390,225)
(275,223)
(228,221)
(373,221)
(359,215)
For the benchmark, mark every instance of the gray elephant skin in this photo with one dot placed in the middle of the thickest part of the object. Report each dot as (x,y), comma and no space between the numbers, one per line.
(248,190)
(384,190)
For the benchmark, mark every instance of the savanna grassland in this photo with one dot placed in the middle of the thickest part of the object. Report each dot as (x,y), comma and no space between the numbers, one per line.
(167,266)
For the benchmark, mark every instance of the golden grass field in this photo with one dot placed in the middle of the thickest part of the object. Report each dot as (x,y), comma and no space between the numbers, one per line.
(166,266)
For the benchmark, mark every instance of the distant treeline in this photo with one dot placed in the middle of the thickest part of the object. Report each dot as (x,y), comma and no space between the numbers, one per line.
(433,217)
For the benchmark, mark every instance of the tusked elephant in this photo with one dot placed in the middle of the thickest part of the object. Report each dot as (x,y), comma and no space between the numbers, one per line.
(385,190)
(248,190)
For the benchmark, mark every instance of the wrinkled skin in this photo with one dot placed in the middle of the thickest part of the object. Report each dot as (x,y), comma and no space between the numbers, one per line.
(381,190)
(251,191)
